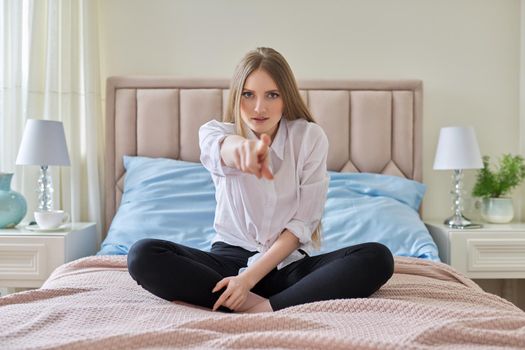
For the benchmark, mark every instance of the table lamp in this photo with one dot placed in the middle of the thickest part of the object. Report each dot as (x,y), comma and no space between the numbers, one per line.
(458,149)
(44,144)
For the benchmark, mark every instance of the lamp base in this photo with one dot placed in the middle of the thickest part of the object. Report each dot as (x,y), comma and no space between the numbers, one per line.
(45,190)
(461,222)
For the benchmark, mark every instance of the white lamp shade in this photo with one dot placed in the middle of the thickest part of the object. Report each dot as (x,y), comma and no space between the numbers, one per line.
(43,143)
(457,149)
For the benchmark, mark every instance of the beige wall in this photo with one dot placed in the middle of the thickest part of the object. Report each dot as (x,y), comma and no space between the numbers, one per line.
(521,193)
(465,51)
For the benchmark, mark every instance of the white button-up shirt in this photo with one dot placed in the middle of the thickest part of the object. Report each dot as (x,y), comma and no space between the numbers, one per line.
(251,213)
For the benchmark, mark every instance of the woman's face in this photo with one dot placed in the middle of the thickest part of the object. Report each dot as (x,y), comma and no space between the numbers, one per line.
(261,103)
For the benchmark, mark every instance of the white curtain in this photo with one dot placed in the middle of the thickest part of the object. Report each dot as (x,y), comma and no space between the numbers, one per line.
(50,65)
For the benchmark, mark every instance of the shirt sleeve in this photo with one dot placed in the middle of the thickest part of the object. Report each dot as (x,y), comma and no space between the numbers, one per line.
(211,136)
(313,186)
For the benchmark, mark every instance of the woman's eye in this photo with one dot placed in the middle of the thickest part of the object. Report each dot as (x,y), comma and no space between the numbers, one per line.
(247,94)
(273,95)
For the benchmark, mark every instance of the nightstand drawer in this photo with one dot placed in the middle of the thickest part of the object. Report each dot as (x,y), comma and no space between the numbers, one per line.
(29,258)
(496,255)
(492,252)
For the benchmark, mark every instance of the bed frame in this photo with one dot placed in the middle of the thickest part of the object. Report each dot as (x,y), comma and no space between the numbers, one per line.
(372,126)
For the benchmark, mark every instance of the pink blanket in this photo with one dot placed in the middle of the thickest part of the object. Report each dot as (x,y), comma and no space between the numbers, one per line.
(93,303)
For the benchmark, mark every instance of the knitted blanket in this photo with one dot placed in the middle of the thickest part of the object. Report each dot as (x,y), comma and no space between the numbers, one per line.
(93,303)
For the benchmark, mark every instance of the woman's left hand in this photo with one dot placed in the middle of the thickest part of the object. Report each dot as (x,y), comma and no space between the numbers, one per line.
(235,294)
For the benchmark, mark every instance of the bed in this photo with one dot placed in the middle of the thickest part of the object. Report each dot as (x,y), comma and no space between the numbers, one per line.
(374,127)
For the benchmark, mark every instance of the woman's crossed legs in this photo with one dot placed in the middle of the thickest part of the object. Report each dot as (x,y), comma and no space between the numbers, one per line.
(183,274)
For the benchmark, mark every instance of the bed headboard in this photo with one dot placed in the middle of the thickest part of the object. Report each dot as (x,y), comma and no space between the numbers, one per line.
(372,126)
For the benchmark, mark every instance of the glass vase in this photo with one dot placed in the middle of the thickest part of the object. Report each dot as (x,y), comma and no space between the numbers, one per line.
(13,206)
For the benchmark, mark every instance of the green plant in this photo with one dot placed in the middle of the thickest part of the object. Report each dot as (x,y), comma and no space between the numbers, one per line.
(510,172)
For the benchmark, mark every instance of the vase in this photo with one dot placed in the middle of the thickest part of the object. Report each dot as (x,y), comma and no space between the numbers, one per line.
(497,210)
(13,206)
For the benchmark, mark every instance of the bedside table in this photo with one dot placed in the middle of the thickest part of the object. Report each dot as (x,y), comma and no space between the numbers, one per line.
(27,258)
(496,251)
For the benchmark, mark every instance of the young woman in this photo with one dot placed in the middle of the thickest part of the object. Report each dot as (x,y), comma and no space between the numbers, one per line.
(268,162)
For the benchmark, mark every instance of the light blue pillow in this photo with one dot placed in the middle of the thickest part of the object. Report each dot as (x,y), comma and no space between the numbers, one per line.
(364,207)
(175,200)
(166,199)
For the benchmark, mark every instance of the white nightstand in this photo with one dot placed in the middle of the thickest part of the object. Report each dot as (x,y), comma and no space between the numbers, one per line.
(27,258)
(496,251)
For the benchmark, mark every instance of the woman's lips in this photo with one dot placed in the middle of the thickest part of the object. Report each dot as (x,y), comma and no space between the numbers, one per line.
(260,120)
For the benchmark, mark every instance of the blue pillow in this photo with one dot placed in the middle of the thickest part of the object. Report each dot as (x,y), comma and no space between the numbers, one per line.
(166,199)
(175,200)
(364,207)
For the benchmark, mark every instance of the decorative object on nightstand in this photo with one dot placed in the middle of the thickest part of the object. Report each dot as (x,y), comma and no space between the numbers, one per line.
(492,186)
(43,144)
(13,206)
(458,150)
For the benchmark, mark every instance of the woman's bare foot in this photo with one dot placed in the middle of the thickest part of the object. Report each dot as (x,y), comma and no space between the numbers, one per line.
(254,303)
(263,306)
(251,301)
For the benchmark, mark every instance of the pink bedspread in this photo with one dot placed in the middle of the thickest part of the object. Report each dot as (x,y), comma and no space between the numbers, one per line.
(93,303)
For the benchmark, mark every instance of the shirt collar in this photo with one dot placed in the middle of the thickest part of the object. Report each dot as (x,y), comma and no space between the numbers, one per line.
(279,141)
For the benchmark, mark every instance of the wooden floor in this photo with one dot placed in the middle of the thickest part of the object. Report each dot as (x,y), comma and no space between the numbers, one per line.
(512,290)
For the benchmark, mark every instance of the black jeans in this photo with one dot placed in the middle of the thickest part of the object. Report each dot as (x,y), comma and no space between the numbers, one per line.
(175,272)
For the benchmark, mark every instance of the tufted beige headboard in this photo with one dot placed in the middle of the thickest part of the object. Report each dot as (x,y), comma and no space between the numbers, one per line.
(372,126)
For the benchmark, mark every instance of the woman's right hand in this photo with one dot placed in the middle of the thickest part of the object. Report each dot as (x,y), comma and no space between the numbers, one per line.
(252,156)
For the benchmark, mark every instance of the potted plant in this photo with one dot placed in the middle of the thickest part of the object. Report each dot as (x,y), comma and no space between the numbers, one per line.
(494,185)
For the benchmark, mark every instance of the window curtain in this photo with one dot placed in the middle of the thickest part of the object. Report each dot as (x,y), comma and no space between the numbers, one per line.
(50,70)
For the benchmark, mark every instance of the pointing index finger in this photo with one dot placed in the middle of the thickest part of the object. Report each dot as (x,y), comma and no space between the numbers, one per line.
(265,139)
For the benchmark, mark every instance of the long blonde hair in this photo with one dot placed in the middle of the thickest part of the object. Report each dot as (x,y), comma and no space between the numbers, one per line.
(273,63)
